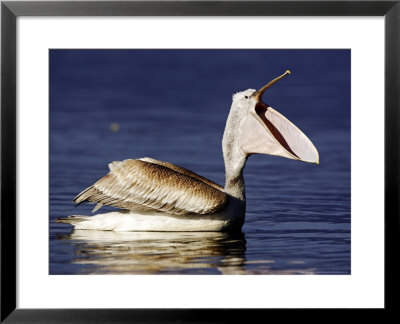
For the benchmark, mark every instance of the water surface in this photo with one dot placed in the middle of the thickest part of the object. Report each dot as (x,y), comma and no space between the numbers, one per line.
(172,105)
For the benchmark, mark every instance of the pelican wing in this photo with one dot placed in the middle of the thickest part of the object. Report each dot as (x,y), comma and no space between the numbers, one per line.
(183,171)
(151,185)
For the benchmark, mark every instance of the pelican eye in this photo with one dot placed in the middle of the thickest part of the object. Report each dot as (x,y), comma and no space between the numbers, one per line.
(247,97)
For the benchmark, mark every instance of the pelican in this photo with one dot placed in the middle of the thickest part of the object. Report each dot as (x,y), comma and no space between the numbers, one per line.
(159,196)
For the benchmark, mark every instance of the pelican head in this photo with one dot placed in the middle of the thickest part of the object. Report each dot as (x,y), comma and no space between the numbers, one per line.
(263,130)
(253,127)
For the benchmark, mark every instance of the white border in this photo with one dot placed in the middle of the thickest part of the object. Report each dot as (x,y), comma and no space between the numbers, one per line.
(363,288)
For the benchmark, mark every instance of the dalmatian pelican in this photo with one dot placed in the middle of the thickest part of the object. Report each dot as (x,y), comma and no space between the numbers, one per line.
(159,196)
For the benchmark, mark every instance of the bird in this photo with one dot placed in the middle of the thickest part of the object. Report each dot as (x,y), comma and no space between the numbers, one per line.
(159,196)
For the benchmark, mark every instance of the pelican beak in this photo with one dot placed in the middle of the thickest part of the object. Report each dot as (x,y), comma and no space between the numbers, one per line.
(266,131)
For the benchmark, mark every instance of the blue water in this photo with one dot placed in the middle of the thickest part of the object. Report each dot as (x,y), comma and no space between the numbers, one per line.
(172,105)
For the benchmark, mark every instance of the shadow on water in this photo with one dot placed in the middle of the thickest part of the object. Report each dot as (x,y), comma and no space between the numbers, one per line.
(104,252)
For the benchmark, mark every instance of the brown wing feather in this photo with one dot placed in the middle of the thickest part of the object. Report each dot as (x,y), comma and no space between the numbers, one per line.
(183,171)
(157,186)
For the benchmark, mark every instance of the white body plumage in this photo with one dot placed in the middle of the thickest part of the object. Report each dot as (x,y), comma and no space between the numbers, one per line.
(230,219)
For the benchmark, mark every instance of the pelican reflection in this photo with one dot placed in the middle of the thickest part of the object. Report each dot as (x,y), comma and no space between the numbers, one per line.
(109,252)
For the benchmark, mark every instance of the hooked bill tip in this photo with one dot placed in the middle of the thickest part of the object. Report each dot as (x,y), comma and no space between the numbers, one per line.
(258,94)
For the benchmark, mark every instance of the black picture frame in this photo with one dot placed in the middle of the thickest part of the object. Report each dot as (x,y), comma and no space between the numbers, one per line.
(10,10)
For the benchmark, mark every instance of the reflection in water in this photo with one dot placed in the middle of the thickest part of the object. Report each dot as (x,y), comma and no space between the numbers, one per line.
(158,252)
